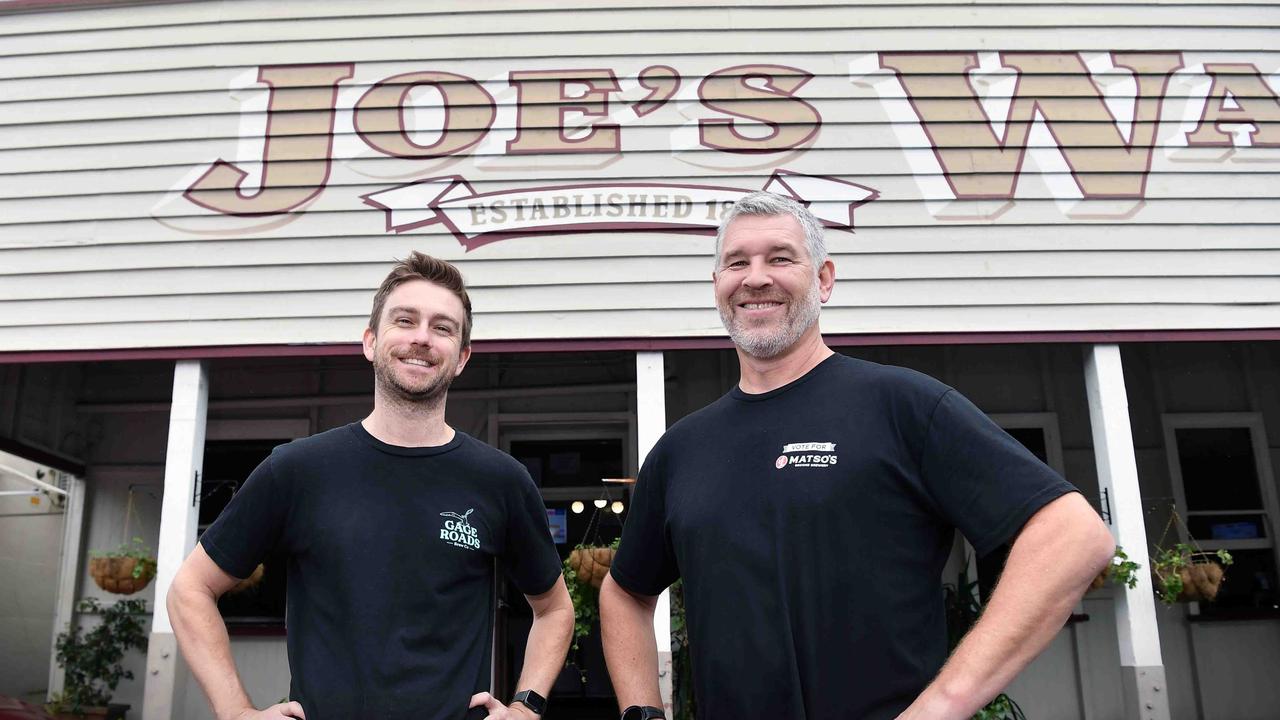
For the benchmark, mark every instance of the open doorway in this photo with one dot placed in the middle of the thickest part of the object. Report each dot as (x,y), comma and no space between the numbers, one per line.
(33,536)
(568,459)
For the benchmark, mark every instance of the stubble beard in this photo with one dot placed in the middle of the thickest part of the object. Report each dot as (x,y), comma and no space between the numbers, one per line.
(765,342)
(427,397)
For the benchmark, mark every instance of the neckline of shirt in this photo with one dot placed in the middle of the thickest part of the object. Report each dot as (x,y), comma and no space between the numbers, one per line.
(737,392)
(359,431)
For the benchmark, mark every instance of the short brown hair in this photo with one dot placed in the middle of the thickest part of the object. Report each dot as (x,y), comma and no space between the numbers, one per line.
(423,267)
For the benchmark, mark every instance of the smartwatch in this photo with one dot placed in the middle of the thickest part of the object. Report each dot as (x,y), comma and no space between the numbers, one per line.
(637,712)
(531,700)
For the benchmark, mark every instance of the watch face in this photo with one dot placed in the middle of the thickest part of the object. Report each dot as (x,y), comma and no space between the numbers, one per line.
(532,700)
(635,712)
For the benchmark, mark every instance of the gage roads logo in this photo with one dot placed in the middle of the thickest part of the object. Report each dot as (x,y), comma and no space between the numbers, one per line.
(810,454)
(458,531)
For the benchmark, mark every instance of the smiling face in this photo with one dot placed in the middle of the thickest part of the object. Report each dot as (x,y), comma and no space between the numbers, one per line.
(767,290)
(417,350)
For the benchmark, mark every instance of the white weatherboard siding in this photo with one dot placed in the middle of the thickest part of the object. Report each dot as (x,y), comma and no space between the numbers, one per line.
(108,114)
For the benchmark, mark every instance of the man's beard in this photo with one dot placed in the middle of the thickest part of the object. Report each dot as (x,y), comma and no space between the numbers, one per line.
(392,388)
(764,342)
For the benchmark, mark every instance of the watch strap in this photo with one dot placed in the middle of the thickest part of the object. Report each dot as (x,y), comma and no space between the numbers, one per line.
(643,712)
(531,700)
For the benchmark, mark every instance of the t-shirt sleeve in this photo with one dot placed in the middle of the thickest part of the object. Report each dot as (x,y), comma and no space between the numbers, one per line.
(252,523)
(529,555)
(645,563)
(984,482)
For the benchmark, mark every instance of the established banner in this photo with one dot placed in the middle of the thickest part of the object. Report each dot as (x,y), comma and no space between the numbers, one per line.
(479,218)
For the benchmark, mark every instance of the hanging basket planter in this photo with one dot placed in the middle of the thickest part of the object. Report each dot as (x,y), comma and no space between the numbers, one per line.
(591,563)
(1197,579)
(122,575)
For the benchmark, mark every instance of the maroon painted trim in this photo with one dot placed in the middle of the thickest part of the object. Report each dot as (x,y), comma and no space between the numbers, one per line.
(44,457)
(650,343)
(35,5)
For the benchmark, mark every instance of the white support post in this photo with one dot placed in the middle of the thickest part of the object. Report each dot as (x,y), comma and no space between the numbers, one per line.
(651,422)
(178,516)
(1142,669)
(68,577)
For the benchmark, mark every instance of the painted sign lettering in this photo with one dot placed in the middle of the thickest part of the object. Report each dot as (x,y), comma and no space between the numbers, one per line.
(1089,124)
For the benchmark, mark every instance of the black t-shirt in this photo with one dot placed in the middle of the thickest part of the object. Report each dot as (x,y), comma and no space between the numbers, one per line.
(811,524)
(390,556)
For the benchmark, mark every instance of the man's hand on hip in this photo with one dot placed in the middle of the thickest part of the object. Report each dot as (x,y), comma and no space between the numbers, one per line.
(275,712)
(498,711)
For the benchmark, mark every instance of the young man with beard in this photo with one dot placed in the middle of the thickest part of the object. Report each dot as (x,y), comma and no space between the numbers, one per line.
(810,512)
(389,528)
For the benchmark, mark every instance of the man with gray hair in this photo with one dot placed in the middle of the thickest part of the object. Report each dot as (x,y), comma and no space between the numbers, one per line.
(810,512)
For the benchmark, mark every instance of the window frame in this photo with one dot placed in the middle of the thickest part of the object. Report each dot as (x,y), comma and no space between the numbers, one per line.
(1046,422)
(1172,422)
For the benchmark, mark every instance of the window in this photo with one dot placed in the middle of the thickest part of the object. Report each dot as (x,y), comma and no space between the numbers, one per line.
(1225,492)
(1038,433)
(227,464)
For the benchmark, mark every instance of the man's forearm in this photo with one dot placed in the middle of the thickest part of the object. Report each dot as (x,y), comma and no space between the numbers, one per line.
(203,640)
(545,650)
(630,648)
(1058,552)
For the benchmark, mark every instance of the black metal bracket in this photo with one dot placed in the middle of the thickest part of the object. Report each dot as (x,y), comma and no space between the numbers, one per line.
(1106,505)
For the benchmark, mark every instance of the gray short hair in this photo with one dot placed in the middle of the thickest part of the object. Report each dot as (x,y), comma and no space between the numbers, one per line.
(766,204)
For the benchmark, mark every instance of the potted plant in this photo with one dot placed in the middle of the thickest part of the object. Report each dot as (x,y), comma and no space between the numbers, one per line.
(1179,574)
(584,572)
(1121,571)
(92,659)
(125,570)
(1185,573)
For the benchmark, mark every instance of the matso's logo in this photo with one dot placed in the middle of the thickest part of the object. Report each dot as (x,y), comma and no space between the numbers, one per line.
(458,531)
(810,454)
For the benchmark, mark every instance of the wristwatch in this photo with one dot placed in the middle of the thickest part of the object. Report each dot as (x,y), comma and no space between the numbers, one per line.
(531,700)
(637,712)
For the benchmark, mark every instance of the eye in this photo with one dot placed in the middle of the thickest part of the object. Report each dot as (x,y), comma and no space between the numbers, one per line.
(446,329)
(781,260)
(404,321)
(736,264)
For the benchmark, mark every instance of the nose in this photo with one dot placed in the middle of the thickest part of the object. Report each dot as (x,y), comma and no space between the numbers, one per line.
(757,275)
(422,335)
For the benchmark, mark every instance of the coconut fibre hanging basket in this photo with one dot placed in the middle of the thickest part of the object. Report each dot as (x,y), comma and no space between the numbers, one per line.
(1186,573)
(591,563)
(591,559)
(121,575)
(128,569)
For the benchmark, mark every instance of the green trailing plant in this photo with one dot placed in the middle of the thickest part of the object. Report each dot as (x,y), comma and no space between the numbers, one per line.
(586,605)
(684,707)
(1122,570)
(1185,564)
(92,658)
(1185,571)
(963,608)
(144,558)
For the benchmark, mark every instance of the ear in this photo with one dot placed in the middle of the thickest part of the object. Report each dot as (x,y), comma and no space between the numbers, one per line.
(826,279)
(368,340)
(463,357)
